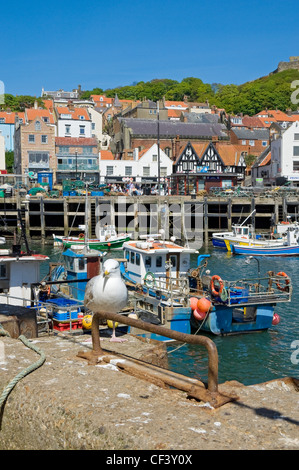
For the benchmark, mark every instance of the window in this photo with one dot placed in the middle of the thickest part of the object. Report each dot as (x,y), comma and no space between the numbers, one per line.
(67,129)
(296,165)
(2,120)
(82,130)
(296,136)
(132,257)
(243,142)
(81,264)
(155,158)
(64,150)
(173,261)
(264,143)
(93,126)
(163,171)
(44,139)
(3,274)
(137,259)
(128,170)
(45,119)
(82,117)
(37,126)
(296,151)
(146,171)
(109,170)
(159,262)
(252,143)
(148,261)
(39,159)
(31,138)
(167,150)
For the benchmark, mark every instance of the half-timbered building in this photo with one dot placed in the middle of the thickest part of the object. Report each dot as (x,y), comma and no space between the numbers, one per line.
(206,164)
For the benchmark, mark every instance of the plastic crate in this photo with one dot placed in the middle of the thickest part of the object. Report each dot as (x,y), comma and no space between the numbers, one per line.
(239,295)
(65,309)
(66,325)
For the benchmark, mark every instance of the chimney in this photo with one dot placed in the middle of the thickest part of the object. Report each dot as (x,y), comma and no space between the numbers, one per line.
(177,147)
(35,105)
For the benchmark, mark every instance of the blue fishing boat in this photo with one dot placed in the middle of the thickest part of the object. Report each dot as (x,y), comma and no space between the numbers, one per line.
(165,290)
(290,247)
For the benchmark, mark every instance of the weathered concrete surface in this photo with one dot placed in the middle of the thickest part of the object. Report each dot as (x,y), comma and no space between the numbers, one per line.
(68,404)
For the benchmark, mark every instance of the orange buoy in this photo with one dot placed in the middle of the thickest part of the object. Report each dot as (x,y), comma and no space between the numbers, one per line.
(203,305)
(193,302)
(199,315)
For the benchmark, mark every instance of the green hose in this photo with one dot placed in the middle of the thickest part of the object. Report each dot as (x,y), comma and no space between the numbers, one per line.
(24,372)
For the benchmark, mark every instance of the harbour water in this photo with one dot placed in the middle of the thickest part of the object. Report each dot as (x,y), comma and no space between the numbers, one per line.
(248,358)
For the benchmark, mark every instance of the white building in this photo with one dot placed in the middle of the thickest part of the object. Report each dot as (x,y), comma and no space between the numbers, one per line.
(285,155)
(2,153)
(142,168)
(73,122)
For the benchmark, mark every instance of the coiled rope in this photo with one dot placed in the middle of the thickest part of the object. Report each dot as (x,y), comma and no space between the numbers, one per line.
(25,371)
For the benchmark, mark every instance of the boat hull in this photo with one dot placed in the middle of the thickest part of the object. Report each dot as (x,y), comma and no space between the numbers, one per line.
(265,251)
(223,321)
(96,244)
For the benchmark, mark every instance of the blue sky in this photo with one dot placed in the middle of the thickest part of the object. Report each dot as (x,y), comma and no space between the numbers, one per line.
(115,43)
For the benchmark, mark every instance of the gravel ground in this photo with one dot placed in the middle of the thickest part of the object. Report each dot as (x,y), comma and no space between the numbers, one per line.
(67,404)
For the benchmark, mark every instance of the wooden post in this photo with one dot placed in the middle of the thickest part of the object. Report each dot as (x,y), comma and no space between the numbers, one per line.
(65,217)
(206,221)
(229,214)
(42,218)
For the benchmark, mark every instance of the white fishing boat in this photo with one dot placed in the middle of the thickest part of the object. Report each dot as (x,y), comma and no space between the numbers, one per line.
(245,235)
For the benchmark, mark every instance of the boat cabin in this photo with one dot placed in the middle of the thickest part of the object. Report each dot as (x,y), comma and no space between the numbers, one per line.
(243,231)
(18,271)
(106,232)
(158,262)
(81,264)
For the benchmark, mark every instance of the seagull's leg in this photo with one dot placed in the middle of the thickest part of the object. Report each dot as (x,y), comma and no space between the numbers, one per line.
(114,339)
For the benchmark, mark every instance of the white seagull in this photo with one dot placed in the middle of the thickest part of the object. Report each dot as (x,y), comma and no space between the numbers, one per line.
(107,292)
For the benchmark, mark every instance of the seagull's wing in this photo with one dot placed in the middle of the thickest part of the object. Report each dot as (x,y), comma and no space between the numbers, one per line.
(89,295)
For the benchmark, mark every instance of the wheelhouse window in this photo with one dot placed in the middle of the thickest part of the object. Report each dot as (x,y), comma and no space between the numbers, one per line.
(159,262)
(3,271)
(148,261)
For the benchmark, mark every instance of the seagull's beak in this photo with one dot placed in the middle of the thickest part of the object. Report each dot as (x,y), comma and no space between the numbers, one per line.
(106,273)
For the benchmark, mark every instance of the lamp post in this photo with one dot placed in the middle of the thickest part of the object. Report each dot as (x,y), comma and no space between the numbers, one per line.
(76,156)
(158,145)
(258,267)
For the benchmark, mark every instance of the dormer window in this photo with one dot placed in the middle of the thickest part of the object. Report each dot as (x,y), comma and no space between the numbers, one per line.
(81,117)
(37,126)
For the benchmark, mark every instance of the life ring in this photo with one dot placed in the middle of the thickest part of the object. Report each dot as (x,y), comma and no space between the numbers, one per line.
(287,281)
(149,279)
(214,292)
(81,235)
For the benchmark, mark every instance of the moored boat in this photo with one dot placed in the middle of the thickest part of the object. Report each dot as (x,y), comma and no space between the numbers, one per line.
(107,239)
(289,247)
(166,290)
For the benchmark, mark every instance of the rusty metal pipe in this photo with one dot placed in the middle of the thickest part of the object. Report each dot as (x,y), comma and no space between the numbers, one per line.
(160,330)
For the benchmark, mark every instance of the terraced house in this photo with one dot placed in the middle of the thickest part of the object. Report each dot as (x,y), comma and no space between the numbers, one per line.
(34,143)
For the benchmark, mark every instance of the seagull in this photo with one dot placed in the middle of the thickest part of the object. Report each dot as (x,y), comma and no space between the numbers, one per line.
(107,292)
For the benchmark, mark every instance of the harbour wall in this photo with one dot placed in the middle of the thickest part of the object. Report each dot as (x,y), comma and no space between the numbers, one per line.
(184,217)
